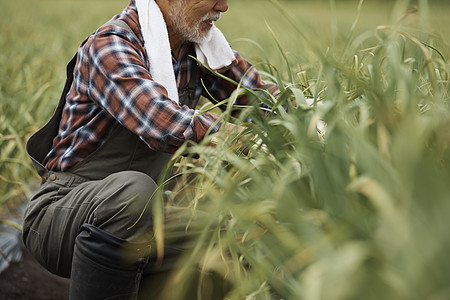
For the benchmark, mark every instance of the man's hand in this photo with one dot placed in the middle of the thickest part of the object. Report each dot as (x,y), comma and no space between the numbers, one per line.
(234,130)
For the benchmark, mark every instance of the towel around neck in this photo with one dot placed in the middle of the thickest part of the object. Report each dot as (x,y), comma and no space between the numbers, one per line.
(216,52)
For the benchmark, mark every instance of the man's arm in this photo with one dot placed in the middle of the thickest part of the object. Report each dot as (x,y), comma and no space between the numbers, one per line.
(241,71)
(121,84)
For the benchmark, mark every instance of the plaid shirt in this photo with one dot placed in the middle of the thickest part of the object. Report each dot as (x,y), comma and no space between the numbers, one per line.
(112,85)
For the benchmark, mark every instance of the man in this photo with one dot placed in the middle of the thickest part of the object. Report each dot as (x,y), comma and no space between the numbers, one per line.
(128,103)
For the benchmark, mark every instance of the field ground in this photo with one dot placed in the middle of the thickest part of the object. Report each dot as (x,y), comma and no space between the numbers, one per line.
(26,280)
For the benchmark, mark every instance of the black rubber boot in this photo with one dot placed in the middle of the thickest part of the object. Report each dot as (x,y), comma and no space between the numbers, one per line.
(100,269)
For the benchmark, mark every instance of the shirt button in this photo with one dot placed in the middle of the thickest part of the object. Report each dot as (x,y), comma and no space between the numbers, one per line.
(52,177)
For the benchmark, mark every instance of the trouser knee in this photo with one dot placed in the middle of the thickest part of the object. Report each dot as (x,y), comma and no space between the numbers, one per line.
(125,206)
(119,204)
(109,250)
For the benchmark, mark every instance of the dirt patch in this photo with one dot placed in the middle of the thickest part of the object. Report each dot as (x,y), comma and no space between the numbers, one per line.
(27,279)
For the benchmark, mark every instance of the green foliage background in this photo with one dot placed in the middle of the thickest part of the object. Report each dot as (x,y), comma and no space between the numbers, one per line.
(356,210)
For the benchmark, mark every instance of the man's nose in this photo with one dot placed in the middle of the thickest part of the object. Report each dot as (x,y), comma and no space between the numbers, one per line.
(221,5)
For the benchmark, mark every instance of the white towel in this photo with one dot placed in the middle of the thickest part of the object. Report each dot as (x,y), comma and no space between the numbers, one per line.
(215,52)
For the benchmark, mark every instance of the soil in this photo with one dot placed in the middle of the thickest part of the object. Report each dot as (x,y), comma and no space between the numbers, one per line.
(28,280)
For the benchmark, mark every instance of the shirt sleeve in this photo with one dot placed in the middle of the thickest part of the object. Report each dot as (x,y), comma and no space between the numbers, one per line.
(119,82)
(241,71)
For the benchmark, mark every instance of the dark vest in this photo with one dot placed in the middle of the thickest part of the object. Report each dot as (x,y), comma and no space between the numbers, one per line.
(122,151)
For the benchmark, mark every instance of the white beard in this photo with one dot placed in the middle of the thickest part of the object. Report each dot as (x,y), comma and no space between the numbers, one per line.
(177,19)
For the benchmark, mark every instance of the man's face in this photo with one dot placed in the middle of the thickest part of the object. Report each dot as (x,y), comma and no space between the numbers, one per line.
(193,19)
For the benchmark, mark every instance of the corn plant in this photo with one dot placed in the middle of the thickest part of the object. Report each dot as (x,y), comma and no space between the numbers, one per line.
(344,191)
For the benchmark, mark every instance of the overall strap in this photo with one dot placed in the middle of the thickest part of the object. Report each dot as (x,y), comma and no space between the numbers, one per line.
(40,143)
(123,25)
(189,94)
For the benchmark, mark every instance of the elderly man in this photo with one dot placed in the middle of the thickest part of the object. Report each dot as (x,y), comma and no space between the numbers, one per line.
(128,103)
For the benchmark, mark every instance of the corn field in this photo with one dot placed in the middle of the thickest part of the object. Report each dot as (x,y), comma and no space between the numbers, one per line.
(344,193)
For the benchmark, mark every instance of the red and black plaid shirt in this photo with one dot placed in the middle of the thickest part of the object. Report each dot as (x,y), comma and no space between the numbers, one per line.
(112,86)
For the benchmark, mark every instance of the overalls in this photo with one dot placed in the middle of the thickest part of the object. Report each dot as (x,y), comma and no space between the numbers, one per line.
(78,222)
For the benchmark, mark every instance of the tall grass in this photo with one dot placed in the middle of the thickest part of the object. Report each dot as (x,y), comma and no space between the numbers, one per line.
(355,210)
